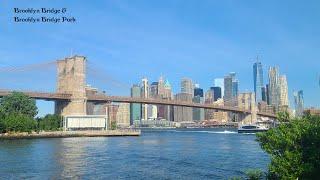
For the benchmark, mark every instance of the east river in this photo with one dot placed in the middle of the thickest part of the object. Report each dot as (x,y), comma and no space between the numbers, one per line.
(156,154)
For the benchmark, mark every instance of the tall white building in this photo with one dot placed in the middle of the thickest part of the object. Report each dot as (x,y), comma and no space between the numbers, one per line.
(298,103)
(283,91)
(144,94)
(187,86)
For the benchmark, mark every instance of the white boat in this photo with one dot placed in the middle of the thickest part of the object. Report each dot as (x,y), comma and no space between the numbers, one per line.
(251,128)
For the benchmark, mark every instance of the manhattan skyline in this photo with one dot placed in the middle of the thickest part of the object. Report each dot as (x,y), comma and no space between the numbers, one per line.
(201,41)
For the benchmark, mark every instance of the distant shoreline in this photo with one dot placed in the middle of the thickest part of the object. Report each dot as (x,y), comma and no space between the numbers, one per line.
(67,134)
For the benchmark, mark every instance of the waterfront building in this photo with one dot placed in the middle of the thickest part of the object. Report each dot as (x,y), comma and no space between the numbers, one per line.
(274,86)
(183,113)
(209,114)
(258,81)
(283,91)
(219,82)
(135,108)
(298,103)
(152,112)
(186,86)
(221,117)
(145,94)
(216,92)
(123,115)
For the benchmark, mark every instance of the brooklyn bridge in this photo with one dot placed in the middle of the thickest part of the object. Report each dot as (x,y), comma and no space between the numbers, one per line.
(72,95)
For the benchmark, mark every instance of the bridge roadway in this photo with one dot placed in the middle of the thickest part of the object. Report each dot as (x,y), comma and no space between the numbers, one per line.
(40,95)
(122,99)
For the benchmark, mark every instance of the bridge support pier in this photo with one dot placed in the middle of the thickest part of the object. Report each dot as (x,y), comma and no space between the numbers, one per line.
(72,79)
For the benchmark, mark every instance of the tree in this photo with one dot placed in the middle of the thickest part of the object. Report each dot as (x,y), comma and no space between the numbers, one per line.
(50,122)
(2,126)
(17,112)
(283,116)
(18,123)
(294,149)
(18,103)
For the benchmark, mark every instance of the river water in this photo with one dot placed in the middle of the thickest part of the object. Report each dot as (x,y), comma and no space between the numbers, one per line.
(156,154)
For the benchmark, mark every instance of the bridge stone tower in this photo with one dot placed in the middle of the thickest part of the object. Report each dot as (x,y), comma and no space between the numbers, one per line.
(71,79)
(246,101)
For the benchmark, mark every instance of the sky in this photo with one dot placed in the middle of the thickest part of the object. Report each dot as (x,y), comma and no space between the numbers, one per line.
(125,40)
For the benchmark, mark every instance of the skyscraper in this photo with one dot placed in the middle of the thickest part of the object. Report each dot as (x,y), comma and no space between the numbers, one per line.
(135,108)
(216,93)
(235,88)
(198,91)
(298,103)
(274,86)
(264,93)
(186,86)
(283,91)
(198,113)
(258,80)
(231,88)
(228,90)
(267,94)
(144,94)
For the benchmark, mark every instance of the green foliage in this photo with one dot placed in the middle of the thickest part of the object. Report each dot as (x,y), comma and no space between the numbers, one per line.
(113,125)
(50,122)
(17,112)
(254,174)
(2,126)
(283,116)
(294,149)
(18,123)
(251,174)
(18,103)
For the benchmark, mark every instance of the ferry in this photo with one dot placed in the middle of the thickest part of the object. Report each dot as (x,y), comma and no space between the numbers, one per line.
(251,128)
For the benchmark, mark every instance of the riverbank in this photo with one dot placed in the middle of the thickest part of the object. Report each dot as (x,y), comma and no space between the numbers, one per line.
(66,134)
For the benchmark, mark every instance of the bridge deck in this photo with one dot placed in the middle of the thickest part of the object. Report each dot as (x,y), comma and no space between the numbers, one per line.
(122,99)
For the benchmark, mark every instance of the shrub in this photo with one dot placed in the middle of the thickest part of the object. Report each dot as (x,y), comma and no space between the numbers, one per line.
(50,122)
(294,149)
(18,123)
